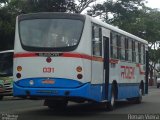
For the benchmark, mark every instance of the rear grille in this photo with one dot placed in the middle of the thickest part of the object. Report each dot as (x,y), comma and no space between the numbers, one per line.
(8,87)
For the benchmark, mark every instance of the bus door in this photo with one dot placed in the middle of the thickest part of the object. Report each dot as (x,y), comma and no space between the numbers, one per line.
(97,61)
(106,51)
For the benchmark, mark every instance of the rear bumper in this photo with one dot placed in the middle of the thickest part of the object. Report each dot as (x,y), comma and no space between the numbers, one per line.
(86,91)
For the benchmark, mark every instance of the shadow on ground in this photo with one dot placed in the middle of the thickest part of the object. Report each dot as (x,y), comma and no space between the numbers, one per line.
(80,110)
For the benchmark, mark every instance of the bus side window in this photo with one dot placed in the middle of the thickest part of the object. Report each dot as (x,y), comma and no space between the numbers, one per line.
(133,51)
(123,48)
(113,45)
(136,51)
(96,40)
(144,55)
(119,48)
(129,50)
(139,52)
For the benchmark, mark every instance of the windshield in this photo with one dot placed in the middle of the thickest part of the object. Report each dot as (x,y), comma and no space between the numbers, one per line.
(50,33)
(6,64)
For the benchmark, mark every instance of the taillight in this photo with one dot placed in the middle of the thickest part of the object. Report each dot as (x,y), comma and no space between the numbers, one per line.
(18,75)
(19,68)
(79,69)
(79,76)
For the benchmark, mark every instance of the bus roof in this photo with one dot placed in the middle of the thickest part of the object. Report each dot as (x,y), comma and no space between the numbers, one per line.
(108,26)
(6,51)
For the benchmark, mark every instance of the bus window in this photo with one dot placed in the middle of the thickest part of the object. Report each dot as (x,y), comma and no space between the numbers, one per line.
(144,55)
(38,34)
(136,50)
(114,45)
(123,48)
(96,40)
(139,52)
(133,51)
(119,48)
(129,50)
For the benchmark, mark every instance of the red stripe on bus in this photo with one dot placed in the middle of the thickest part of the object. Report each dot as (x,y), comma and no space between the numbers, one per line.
(19,55)
(73,55)
(76,55)
(113,61)
(141,71)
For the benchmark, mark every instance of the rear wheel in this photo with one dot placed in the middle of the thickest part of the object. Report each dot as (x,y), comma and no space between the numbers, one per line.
(111,103)
(1,97)
(139,98)
(56,104)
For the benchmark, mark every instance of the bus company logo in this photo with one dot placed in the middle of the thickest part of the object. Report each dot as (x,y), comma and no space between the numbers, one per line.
(127,72)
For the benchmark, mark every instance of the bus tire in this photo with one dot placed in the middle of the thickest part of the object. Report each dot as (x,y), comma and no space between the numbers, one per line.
(138,99)
(56,104)
(1,97)
(111,103)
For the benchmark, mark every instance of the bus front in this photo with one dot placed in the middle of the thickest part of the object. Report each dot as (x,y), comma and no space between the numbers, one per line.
(47,63)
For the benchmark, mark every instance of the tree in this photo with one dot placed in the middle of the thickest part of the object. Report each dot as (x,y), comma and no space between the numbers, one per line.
(82,5)
(26,6)
(6,28)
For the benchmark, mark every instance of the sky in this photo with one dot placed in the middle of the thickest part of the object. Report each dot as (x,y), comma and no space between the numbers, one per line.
(153,3)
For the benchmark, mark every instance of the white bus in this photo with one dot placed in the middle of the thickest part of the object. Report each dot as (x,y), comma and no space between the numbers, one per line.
(63,57)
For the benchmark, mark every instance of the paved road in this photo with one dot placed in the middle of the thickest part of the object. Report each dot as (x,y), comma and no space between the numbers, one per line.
(34,110)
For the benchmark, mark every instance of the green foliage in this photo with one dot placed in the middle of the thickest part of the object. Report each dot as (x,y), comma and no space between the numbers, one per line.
(6,29)
(9,11)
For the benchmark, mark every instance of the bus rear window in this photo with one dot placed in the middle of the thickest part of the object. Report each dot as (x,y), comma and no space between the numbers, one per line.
(59,34)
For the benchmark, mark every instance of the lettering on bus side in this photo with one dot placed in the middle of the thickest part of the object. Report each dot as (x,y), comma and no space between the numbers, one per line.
(127,72)
(48,70)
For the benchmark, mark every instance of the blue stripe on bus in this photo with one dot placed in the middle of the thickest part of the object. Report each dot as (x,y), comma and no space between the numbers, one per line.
(56,83)
(87,91)
(128,90)
(125,90)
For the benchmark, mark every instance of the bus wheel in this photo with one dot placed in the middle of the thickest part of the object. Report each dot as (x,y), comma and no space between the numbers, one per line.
(1,97)
(139,98)
(56,104)
(111,103)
